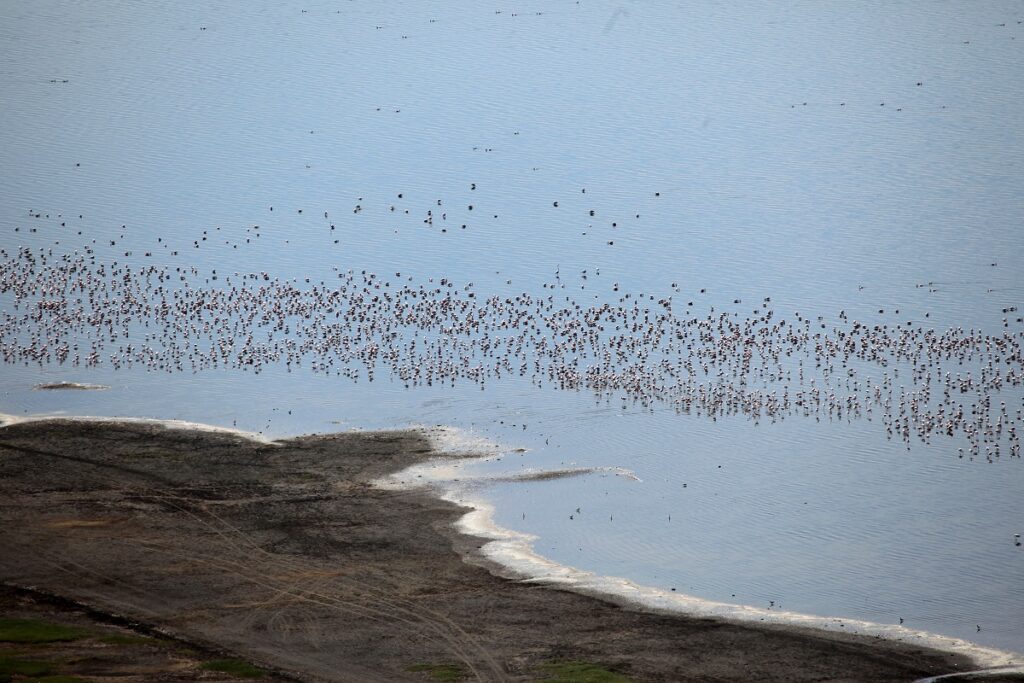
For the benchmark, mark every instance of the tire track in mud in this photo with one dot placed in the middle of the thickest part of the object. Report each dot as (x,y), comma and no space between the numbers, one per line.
(445,631)
(393,603)
(252,574)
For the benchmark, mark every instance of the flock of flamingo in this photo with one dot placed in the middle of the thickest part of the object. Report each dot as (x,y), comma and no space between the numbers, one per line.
(76,310)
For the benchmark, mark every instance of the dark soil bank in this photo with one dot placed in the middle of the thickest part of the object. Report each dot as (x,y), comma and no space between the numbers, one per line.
(287,556)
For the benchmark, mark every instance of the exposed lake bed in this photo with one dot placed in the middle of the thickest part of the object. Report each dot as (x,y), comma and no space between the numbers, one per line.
(285,554)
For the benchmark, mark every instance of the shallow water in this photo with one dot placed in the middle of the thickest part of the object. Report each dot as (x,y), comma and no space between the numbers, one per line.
(175,121)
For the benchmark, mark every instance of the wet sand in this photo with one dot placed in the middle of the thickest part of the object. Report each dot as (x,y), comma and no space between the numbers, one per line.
(70,386)
(287,555)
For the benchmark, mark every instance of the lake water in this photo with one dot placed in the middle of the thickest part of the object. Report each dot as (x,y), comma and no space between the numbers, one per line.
(853,161)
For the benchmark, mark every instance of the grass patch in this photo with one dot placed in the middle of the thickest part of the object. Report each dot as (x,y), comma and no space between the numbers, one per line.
(33,631)
(580,672)
(235,667)
(12,666)
(128,639)
(440,672)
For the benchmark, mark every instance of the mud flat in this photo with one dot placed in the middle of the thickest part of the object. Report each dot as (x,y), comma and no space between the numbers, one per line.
(48,638)
(286,554)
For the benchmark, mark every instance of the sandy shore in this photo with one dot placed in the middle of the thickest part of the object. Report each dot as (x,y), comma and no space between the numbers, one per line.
(285,554)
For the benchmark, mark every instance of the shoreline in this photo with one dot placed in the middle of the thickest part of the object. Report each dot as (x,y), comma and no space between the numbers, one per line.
(517,632)
(511,554)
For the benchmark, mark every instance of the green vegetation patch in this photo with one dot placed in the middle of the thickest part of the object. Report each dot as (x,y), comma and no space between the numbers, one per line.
(580,672)
(128,639)
(441,672)
(33,631)
(235,667)
(11,666)
(57,679)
